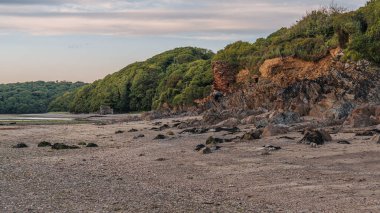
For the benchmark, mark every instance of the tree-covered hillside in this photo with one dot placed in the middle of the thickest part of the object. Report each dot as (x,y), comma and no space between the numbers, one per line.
(173,78)
(32,97)
(357,32)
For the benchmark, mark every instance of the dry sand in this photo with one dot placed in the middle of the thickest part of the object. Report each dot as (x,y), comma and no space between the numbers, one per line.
(145,175)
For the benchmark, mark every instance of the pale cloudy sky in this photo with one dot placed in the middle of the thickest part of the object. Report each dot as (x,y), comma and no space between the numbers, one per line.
(84,40)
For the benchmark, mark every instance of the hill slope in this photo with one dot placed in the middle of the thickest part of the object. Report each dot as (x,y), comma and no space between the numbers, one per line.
(171,79)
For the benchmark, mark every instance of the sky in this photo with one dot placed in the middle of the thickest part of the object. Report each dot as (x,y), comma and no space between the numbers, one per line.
(85,40)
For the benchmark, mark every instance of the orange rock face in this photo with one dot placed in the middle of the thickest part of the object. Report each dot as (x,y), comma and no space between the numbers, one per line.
(224,76)
(326,89)
(288,70)
(285,71)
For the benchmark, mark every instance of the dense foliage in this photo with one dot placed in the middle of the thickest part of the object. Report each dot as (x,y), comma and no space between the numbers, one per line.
(31,97)
(174,79)
(357,32)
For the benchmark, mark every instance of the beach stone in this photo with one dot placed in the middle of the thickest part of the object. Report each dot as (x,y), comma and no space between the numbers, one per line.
(20,145)
(326,136)
(273,130)
(119,132)
(343,142)
(199,147)
(313,145)
(160,137)
(92,145)
(139,136)
(195,130)
(59,146)
(316,136)
(271,147)
(44,144)
(252,135)
(226,129)
(205,150)
(212,140)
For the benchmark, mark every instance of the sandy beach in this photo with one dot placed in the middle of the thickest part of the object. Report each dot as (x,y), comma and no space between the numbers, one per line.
(127,174)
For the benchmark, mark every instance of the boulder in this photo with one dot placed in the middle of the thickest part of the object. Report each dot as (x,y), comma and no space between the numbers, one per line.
(273,130)
(199,147)
(231,130)
(195,130)
(160,137)
(325,135)
(315,137)
(252,135)
(205,150)
(138,136)
(92,145)
(20,145)
(285,118)
(44,144)
(364,116)
(271,147)
(212,140)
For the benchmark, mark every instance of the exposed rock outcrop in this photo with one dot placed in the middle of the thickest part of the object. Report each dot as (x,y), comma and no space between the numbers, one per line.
(224,76)
(328,89)
(367,115)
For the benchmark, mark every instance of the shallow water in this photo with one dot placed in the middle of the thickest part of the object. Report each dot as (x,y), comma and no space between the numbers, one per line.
(36,117)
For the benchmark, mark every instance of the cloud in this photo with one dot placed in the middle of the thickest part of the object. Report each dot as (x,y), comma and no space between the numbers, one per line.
(203,19)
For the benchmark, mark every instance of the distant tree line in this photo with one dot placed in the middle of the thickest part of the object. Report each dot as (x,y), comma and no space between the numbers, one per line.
(32,97)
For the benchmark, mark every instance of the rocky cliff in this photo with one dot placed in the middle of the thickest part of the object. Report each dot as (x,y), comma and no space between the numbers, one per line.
(328,88)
